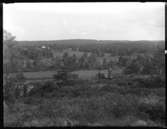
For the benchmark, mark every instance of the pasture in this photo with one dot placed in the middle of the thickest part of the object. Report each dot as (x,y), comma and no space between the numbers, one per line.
(82,74)
(91,104)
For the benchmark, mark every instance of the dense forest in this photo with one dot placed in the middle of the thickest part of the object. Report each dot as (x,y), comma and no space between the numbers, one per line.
(84,54)
(107,46)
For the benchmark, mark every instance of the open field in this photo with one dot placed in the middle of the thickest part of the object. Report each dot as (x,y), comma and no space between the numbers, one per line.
(91,74)
(83,74)
(122,101)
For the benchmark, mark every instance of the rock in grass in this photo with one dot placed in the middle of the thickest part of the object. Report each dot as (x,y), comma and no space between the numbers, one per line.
(44,122)
(139,123)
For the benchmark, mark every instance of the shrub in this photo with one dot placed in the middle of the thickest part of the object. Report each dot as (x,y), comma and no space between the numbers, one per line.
(9,92)
(122,105)
(155,112)
(32,100)
(152,82)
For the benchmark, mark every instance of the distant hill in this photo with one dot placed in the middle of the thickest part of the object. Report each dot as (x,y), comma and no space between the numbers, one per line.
(83,42)
(107,46)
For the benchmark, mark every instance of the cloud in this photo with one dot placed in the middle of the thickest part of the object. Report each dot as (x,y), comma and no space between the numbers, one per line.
(77,8)
(12,28)
(121,21)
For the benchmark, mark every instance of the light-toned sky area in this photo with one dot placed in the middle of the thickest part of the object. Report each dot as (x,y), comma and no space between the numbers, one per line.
(101,21)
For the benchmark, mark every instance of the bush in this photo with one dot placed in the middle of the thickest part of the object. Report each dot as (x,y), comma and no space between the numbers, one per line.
(32,100)
(108,106)
(155,112)
(9,92)
(131,68)
(122,105)
(152,82)
(43,89)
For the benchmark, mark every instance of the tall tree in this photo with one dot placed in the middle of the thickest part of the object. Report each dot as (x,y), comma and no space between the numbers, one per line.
(74,61)
(159,60)
(92,60)
(8,45)
(8,50)
(104,63)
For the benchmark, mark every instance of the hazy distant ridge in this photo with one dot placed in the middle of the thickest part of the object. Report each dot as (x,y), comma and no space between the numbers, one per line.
(90,41)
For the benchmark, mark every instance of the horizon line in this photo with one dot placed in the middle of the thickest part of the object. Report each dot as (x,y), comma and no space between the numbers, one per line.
(86,39)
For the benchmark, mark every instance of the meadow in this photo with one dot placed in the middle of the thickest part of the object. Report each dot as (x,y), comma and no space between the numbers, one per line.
(122,101)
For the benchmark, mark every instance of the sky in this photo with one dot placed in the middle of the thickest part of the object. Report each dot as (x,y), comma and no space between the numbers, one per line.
(99,20)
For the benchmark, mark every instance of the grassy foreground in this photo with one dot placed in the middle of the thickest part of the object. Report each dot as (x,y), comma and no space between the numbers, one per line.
(91,104)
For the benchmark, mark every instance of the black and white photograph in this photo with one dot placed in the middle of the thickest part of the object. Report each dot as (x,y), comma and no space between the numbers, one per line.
(91,64)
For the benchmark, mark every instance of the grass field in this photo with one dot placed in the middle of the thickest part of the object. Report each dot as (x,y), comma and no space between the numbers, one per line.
(122,101)
(87,104)
(83,74)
